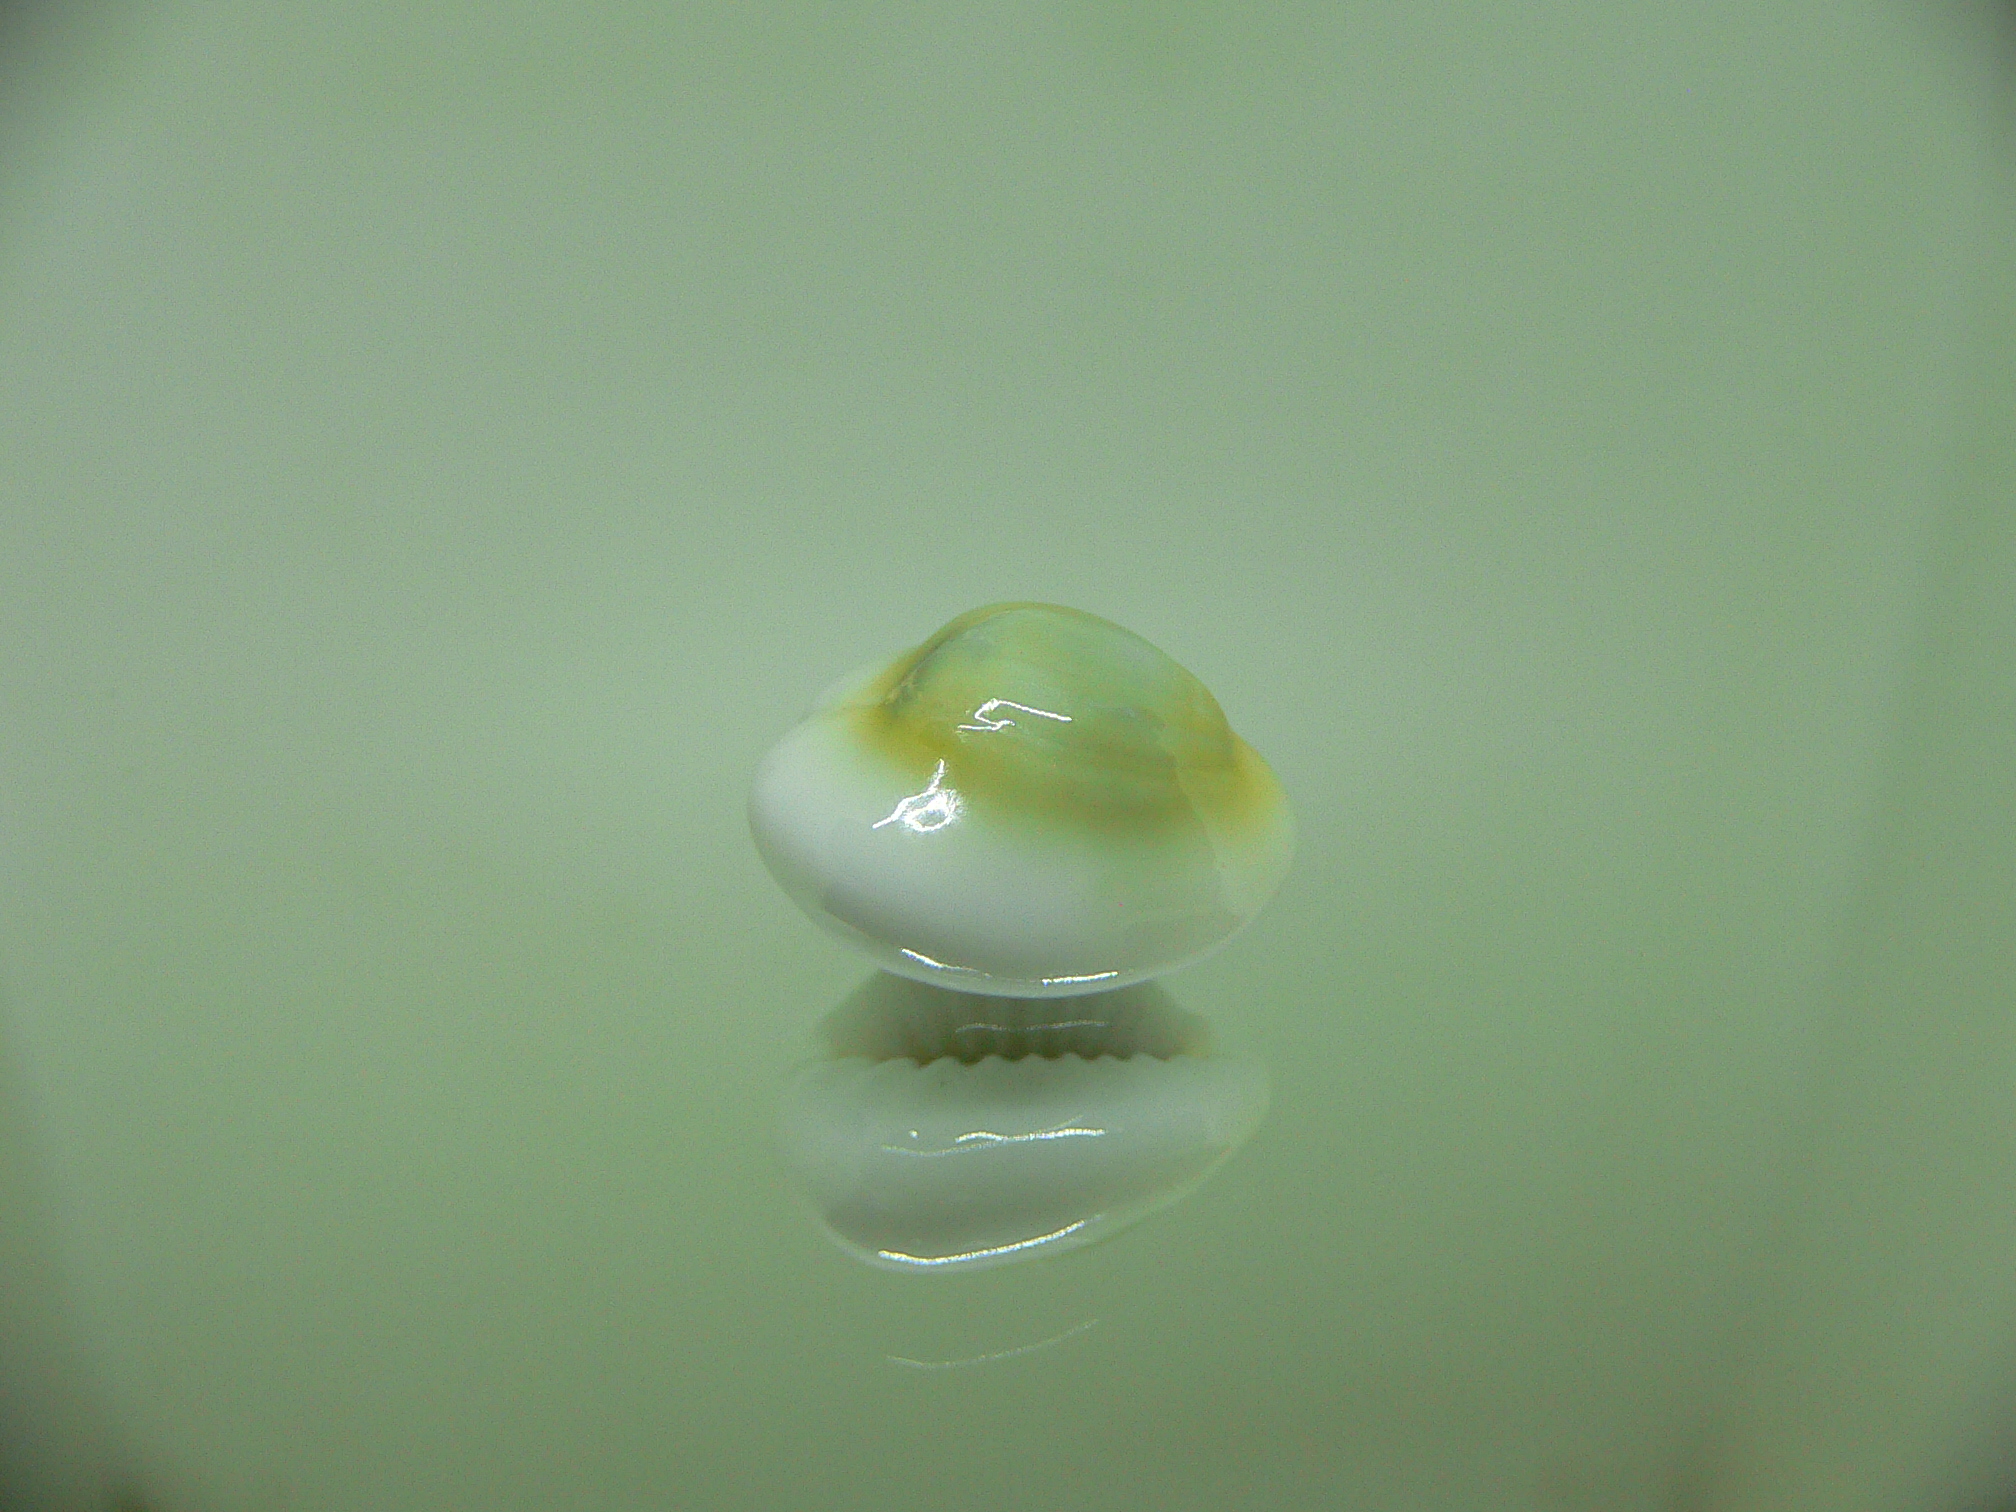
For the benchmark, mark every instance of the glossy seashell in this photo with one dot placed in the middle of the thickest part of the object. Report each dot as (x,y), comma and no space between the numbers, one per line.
(1034,802)
(924,1148)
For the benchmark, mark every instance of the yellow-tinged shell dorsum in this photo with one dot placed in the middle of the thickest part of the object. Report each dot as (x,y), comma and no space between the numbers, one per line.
(1034,802)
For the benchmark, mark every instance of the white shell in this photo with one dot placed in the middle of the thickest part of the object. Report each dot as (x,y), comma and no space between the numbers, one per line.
(1035,803)
(960,1165)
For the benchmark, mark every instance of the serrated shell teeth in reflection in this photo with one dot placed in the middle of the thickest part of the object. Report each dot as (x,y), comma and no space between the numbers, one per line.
(962,1163)
(1035,802)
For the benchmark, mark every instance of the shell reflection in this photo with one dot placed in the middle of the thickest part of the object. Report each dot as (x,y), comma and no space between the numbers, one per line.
(948,1131)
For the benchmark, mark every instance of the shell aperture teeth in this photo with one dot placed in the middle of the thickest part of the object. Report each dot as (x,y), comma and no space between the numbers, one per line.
(895,1018)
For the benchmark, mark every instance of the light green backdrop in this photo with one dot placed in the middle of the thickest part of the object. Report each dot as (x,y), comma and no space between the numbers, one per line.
(441,446)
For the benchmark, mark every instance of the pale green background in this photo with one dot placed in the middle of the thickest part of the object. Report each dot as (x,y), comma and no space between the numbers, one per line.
(441,446)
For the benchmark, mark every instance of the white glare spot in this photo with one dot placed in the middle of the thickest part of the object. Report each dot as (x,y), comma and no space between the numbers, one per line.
(1064,981)
(984,715)
(983,1254)
(1067,1132)
(984,1138)
(932,809)
(923,960)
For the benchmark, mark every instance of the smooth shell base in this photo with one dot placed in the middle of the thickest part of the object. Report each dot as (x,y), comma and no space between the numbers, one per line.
(986,906)
(956,1167)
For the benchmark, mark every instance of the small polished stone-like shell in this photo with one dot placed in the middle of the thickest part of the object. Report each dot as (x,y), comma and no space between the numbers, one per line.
(1034,802)
(948,1133)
